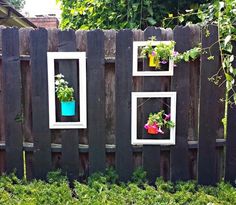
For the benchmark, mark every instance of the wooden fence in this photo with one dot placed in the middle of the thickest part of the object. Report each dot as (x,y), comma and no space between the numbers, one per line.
(27,142)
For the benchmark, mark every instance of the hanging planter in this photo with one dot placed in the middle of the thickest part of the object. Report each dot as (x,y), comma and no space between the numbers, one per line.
(68,108)
(153,62)
(162,52)
(65,96)
(157,121)
(159,54)
(152,129)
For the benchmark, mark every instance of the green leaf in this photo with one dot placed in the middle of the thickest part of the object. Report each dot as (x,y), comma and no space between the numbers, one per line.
(231,59)
(228,77)
(235,98)
(84,27)
(221,5)
(150,11)
(181,19)
(234,71)
(189,10)
(186,58)
(151,21)
(227,39)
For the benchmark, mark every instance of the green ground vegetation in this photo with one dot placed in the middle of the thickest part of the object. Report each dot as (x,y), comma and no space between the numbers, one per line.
(104,189)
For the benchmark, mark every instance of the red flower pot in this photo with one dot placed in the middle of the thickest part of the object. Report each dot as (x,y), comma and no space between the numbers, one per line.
(152,130)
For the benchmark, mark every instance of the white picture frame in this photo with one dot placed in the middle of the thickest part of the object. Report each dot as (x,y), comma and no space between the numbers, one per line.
(51,57)
(134,110)
(136,72)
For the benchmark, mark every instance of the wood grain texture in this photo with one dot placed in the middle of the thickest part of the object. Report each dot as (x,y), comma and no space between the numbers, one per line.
(11,90)
(230,166)
(186,38)
(123,79)
(70,138)
(151,153)
(209,105)
(40,123)
(96,100)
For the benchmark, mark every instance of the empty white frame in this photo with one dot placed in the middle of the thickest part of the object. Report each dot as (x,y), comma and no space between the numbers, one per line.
(136,45)
(81,56)
(134,110)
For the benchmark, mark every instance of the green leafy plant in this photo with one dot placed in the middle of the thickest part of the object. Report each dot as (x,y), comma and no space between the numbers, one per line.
(139,176)
(63,91)
(163,52)
(100,191)
(222,15)
(17,4)
(189,55)
(158,121)
(121,14)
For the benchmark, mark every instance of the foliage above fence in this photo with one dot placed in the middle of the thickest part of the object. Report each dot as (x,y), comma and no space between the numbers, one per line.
(120,14)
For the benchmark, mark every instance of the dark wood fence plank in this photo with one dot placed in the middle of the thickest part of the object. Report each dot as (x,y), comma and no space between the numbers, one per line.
(96,98)
(230,166)
(2,162)
(151,153)
(2,135)
(40,124)
(70,138)
(123,69)
(11,88)
(185,38)
(210,109)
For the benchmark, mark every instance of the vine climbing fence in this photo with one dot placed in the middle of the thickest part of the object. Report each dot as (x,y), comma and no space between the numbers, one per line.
(30,148)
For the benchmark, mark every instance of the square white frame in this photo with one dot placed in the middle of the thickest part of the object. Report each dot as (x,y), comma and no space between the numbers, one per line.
(81,56)
(136,45)
(134,110)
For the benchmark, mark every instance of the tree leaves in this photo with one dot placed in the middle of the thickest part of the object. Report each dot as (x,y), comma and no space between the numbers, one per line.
(151,21)
(119,14)
(227,40)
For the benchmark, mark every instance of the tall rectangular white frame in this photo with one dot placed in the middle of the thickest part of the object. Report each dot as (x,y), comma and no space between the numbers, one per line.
(81,56)
(136,45)
(134,98)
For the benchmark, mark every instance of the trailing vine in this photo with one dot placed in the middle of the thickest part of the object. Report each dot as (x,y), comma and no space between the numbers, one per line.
(223,15)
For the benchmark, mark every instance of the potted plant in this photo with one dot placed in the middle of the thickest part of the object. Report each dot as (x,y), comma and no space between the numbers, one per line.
(163,52)
(157,121)
(65,95)
(159,54)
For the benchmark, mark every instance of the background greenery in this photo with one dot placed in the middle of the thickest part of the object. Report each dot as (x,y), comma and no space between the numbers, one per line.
(17,4)
(119,14)
(103,189)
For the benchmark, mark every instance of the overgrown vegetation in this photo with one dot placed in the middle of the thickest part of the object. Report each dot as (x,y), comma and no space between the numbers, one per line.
(119,14)
(17,4)
(104,189)
(223,15)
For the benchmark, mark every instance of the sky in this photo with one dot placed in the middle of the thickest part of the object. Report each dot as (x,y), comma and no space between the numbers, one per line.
(39,7)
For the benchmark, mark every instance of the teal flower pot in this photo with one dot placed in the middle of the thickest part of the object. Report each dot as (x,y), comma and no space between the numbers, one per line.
(68,108)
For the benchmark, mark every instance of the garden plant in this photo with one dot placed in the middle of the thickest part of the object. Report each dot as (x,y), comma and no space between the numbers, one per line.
(65,95)
(103,189)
